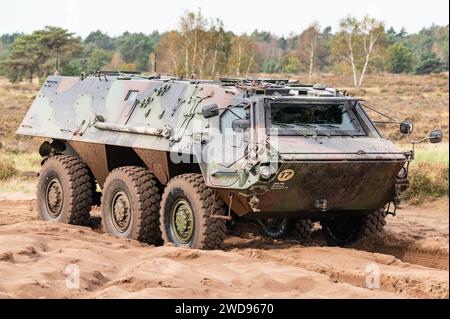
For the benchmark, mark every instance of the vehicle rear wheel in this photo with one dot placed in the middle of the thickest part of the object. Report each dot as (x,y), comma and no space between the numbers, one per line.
(64,191)
(130,205)
(345,231)
(275,228)
(186,208)
(373,223)
(303,229)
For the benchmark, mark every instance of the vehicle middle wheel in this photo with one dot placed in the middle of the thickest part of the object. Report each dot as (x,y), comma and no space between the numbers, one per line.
(186,206)
(130,205)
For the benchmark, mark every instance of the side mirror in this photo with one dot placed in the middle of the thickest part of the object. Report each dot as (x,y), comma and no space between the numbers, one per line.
(406,127)
(240,125)
(436,136)
(210,111)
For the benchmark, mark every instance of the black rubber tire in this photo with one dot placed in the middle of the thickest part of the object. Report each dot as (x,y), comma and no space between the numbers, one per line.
(208,232)
(76,181)
(280,231)
(141,189)
(373,224)
(302,229)
(358,227)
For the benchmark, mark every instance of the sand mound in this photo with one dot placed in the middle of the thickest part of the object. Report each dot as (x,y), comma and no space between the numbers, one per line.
(41,259)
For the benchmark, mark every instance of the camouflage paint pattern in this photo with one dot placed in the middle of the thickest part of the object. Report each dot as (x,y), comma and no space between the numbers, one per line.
(162,121)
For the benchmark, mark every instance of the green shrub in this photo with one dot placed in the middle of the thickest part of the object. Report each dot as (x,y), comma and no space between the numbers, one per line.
(442,182)
(427,180)
(7,170)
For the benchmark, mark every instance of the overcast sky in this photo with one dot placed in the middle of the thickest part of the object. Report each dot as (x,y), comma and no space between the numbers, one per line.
(277,16)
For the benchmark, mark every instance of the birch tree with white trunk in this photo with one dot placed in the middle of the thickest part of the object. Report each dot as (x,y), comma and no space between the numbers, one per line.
(356,43)
(307,46)
(244,56)
(192,30)
(371,31)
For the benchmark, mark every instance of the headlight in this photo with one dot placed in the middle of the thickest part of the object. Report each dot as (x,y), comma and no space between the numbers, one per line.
(265,172)
(403,173)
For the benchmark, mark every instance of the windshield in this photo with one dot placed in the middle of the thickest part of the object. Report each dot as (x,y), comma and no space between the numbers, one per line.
(287,118)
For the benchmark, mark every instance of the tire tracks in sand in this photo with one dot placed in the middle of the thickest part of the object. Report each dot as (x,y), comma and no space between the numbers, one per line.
(34,254)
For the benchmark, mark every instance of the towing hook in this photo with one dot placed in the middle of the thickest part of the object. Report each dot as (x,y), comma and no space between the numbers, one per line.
(321,204)
(254,203)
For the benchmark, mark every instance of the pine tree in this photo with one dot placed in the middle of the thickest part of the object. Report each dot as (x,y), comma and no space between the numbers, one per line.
(399,58)
(428,63)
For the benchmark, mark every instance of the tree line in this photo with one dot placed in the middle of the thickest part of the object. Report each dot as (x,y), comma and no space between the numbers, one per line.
(204,48)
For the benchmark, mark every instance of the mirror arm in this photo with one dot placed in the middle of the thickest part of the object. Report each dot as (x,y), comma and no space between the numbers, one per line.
(235,114)
(243,103)
(387,122)
(413,156)
(421,141)
(414,143)
(382,114)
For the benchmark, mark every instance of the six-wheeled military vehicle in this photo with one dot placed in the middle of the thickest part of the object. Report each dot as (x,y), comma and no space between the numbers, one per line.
(173,160)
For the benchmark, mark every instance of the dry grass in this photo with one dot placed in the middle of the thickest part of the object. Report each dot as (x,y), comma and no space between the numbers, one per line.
(15,99)
(15,155)
(431,153)
(21,161)
(18,184)
(7,170)
(13,164)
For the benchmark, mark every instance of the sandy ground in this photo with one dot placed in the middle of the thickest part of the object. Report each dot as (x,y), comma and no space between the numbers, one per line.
(40,259)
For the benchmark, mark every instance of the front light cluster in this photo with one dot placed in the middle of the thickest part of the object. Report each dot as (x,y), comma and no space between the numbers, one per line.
(265,172)
(403,173)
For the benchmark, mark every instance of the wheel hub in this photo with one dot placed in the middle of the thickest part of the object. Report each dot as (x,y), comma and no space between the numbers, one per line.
(121,211)
(54,197)
(183,221)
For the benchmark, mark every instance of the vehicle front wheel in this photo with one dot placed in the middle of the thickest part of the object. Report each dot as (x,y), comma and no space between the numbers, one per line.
(186,208)
(65,190)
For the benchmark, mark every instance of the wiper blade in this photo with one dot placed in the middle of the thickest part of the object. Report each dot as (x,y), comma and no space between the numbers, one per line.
(338,129)
(331,126)
(312,128)
(291,127)
(304,124)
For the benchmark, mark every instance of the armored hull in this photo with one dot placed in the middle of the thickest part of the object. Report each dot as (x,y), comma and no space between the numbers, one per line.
(260,148)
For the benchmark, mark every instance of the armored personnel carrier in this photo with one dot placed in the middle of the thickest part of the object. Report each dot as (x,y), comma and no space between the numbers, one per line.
(173,160)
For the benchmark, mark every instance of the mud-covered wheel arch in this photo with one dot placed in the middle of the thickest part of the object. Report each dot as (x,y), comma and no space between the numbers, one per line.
(130,205)
(346,231)
(186,209)
(65,190)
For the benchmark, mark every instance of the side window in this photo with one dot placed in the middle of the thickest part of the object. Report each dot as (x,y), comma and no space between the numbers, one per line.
(227,118)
